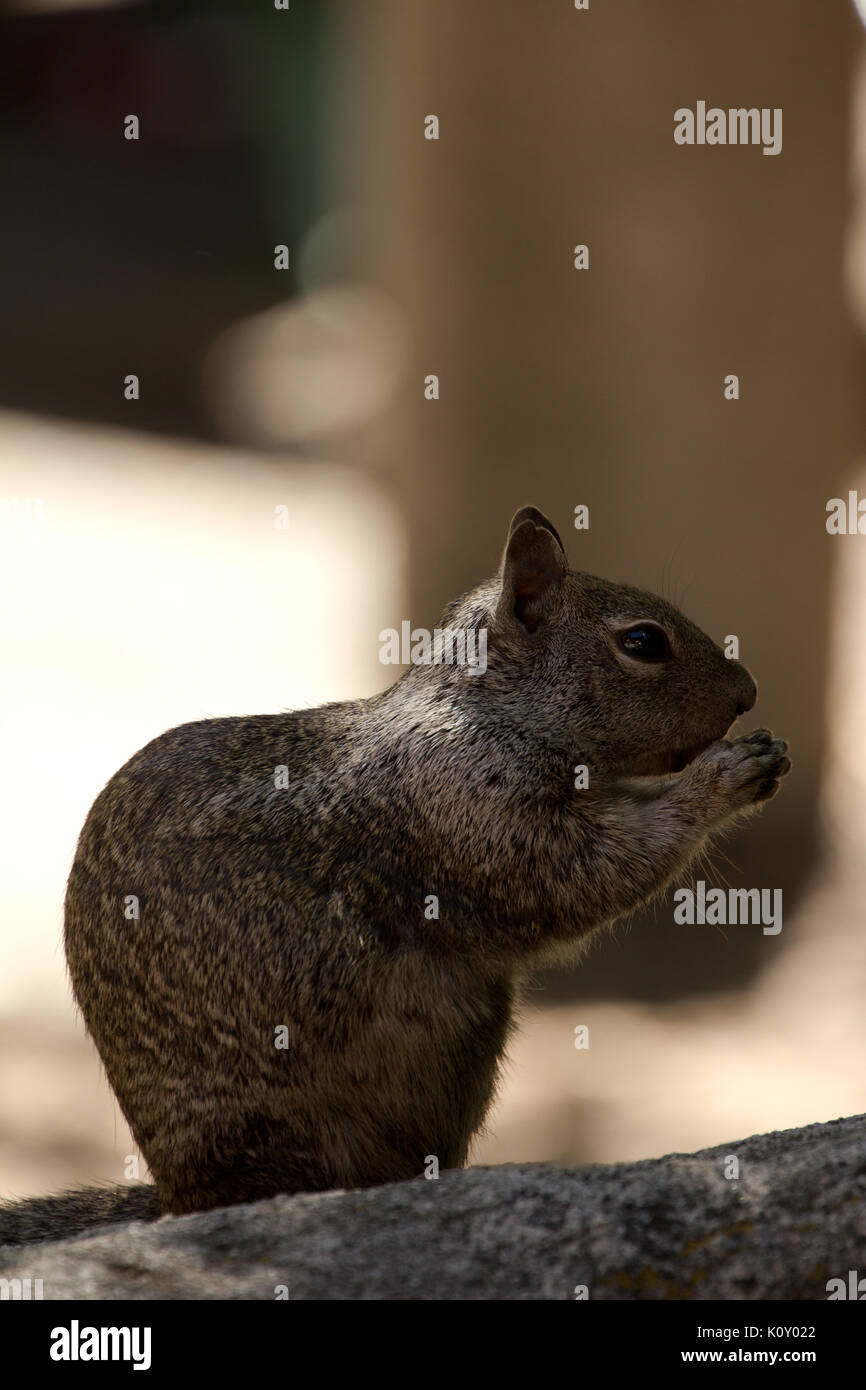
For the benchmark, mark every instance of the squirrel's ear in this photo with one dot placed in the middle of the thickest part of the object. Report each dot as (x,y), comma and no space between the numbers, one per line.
(532,570)
(539,519)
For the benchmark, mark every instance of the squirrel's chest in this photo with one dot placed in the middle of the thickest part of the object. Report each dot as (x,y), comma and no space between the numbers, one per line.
(433,1044)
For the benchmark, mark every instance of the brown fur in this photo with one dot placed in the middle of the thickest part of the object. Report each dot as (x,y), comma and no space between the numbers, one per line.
(306,906)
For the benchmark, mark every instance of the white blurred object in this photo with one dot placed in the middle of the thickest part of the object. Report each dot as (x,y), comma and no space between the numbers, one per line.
(310,369)
(149,588)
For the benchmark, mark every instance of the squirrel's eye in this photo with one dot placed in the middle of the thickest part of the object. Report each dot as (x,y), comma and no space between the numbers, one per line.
(646,642)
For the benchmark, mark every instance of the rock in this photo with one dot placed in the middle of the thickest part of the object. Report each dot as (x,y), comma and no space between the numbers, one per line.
(668,1228)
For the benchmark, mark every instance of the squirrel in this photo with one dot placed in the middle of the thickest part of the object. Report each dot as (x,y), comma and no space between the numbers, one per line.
(378,906)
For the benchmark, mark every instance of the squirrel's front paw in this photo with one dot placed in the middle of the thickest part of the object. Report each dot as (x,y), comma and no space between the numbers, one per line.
(743,772)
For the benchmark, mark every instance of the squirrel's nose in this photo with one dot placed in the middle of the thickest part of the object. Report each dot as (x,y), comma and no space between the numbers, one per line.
(748,695)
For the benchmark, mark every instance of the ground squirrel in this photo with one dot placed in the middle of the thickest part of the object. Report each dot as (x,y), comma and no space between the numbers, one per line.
(300,907)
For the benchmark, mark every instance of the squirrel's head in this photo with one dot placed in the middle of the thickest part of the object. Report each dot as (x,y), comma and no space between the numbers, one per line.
(608,671)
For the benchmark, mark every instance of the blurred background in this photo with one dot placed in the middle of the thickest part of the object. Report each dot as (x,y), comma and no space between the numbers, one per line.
(221,474)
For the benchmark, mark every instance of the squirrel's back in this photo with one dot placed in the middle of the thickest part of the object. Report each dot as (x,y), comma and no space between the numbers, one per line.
(231,938)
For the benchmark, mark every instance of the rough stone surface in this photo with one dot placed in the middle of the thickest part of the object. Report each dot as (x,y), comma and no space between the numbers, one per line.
(674,1227)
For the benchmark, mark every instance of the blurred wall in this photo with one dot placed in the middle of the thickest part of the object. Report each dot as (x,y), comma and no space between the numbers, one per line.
(558,386)
(159,590)
(605,386)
